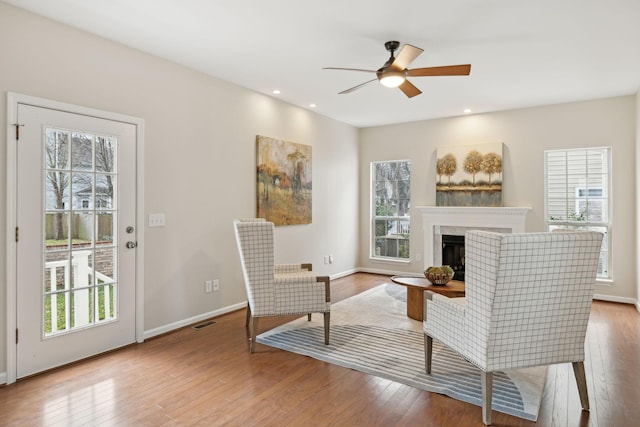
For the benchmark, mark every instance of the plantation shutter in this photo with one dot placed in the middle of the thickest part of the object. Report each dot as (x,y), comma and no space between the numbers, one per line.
(577,193)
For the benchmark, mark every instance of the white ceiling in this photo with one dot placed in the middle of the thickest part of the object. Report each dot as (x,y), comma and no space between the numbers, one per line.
(523,53)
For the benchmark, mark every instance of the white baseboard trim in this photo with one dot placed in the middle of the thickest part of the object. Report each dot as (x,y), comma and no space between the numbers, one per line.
(344,274)
(3,377)
(190,321)
(386,272)
(610,298)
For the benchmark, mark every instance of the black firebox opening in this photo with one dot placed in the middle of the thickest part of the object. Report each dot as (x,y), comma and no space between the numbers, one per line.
(453,254)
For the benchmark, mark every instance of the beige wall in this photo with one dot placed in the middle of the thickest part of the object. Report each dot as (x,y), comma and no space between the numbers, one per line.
(526,134)
(199,161)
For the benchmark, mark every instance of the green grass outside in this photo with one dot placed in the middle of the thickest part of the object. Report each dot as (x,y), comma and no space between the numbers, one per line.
(60,312)
(52,242)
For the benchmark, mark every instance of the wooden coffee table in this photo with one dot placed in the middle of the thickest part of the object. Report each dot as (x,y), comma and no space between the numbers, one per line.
(415,292)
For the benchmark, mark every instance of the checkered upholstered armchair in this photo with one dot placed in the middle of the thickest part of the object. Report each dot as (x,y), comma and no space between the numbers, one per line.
(277,289)
(528,299)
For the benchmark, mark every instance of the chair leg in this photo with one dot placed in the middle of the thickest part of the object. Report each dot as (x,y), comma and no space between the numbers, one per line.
(248,315)
(327,316)
(428,353)
(254,330)
(487,392)
(581,380)
(309,317)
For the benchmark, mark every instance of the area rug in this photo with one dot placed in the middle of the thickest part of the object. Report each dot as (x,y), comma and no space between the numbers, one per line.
(371,333)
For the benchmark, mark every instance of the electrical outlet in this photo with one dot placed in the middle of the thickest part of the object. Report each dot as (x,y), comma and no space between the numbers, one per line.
(418,257)
(208,285)
(216,285)
(326,259)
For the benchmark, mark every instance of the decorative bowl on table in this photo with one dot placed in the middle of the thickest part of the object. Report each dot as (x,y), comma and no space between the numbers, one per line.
(439,275)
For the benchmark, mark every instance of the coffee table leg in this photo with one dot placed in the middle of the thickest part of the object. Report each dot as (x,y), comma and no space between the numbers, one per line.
(415,303)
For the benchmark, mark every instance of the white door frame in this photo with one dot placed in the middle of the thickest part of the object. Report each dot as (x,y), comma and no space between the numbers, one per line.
(13,99)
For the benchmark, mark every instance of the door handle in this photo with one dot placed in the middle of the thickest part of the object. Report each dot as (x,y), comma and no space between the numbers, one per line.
(131,245)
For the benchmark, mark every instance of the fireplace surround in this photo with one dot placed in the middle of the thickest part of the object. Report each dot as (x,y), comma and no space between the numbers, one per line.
(456,220)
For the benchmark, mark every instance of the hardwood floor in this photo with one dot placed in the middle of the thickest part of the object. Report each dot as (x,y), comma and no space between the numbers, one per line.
(208,378)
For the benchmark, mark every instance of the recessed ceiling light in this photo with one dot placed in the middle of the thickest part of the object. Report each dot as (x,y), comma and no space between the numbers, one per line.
(312,105)
(276,92)
(467,110)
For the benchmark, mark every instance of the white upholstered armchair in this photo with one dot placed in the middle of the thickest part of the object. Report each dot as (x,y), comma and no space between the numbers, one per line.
(527,303)
(277,289)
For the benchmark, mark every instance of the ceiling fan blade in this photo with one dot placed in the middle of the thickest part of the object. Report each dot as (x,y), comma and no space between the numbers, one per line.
(409,89)
(357,87)
(406,56)
(349,69)
(448,70)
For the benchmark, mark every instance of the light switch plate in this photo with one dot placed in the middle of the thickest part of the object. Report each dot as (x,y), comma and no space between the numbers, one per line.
(156,220)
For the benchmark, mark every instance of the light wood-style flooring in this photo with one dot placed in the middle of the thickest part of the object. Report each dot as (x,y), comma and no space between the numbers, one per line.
(208,378)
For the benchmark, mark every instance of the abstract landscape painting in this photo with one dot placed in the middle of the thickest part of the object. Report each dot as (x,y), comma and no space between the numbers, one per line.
(284,181)
(469,175)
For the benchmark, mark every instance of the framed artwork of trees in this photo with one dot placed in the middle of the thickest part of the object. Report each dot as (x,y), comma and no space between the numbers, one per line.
(469,175)
(283,181)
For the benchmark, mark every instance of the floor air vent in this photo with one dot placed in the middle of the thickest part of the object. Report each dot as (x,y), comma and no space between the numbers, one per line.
(204,325)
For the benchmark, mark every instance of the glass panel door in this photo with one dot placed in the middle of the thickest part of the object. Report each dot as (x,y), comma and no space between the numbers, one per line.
(76,252)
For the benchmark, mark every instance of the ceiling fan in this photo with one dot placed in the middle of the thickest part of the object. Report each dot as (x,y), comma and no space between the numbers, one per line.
(394,72)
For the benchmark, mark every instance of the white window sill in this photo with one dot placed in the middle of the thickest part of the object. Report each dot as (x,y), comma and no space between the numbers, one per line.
(389,260)
(604,282)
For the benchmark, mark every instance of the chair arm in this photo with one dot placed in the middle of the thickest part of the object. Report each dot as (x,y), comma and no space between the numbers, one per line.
(304,277)
(304,289)
(290,268)
(445,319)
(297,276)
(327,286)
(443,310)
(457,304)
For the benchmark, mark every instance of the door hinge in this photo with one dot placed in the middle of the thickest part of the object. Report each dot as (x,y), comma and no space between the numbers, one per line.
(17,125)
(16,335)
(17,233)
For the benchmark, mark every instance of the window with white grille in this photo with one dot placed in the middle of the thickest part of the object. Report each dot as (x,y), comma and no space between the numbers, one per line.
(578,195)
(391,183)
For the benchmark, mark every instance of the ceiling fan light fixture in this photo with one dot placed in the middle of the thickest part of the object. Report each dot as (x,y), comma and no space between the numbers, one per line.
(392,78)
(394,72)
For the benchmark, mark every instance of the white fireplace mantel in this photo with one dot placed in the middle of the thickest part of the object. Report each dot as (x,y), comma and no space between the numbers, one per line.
(435,217)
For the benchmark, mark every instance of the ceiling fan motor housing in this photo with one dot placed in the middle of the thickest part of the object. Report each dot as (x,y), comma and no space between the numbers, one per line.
(392,46)
(388,76)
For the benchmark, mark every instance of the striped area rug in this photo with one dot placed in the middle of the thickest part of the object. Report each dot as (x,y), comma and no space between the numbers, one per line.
(371,333)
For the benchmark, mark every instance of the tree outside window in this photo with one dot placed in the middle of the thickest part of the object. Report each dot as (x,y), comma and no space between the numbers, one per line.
(391,184)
